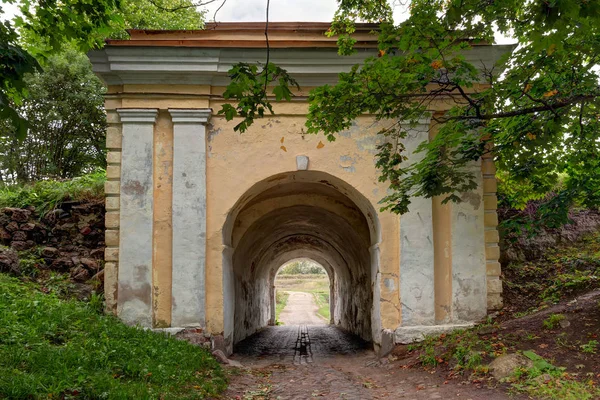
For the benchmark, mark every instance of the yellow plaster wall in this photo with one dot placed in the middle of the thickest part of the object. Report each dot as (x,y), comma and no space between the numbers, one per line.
(236,161)
(162,246)
(442,250)
(112,192)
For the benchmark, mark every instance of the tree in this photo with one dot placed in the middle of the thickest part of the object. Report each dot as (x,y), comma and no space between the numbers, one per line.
(302,267)
(63,103)
(67,124)
(159,14)
(53,23)
(540,117)
(47,26)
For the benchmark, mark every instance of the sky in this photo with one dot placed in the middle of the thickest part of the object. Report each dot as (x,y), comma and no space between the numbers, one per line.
(254,10)
(279,10)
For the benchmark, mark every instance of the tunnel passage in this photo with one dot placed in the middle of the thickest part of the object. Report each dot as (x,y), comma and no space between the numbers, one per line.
(303,214)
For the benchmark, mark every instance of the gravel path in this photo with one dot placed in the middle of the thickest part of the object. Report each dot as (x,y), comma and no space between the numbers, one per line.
(301,309)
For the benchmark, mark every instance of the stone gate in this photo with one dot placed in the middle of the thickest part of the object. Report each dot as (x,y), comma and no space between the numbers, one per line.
(200,218)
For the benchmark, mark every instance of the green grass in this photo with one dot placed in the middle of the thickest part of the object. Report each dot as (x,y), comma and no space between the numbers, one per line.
(553,321)
(281,298)
(322,300)
(303,283)
(46,195)
(562,272)
(62,349)
(553,384)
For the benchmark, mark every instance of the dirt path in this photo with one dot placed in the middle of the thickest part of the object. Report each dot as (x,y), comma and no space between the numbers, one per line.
(301,309)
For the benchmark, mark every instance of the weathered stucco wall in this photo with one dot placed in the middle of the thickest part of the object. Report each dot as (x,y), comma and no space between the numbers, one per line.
(428,267)
(200,217)
(350,160)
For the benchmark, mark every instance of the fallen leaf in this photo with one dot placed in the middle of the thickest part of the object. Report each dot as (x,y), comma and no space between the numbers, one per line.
(283,148)
(320,145)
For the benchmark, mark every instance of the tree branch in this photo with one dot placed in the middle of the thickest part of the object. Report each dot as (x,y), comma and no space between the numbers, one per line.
(181,7)
(268,48)
(525,111)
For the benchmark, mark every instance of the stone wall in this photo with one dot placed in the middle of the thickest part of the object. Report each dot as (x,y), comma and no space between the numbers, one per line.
(67,240)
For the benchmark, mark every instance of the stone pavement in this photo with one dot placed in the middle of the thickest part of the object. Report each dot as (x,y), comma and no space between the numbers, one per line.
(304,362)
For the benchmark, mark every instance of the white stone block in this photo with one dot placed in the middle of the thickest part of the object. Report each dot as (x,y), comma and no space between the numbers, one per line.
(301,163)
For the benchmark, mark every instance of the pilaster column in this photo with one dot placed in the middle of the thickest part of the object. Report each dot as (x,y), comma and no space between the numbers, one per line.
(416,247)
(134,303)
(189,216)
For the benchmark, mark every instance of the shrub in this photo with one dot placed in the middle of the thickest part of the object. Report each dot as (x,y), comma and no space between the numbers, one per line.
(47,195)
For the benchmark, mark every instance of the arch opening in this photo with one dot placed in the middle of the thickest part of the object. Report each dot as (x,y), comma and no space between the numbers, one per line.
(308,281)
(301,215)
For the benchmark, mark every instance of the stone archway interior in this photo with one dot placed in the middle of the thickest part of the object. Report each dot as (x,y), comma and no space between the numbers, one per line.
(301,218)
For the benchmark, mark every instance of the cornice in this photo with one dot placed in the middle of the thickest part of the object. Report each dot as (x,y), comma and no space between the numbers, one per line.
(190,116)
(138,115)
(119,65)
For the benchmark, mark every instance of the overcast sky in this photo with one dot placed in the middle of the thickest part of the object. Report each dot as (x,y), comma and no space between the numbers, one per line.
(254,10)
(279,10)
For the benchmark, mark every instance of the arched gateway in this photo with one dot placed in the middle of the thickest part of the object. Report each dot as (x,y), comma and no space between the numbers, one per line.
(199,218)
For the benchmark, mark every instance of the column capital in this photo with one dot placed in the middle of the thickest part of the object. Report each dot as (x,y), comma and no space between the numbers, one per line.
(138,115)
(190,115)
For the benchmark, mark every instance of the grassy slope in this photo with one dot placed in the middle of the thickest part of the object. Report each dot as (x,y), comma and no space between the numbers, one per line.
(561,274)
(46,195)
(322,300)
(62,349)
(281,298)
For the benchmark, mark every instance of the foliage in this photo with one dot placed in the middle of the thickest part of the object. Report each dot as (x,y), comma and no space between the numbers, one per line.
(589,347)
(65,110)
(322,300)
(47,195)
(461,349)
(539,362)
(84,24)
(158,14)
(553,321)
(14,64)
(46,27)
(553,383)
(249,87)
(562,272)
(65,349)
(303,283)
(540,114)
(30,262)
(281,299)
(302,267)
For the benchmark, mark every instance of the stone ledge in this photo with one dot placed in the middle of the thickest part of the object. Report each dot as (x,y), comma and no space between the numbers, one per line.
(167,331)
(412,334)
